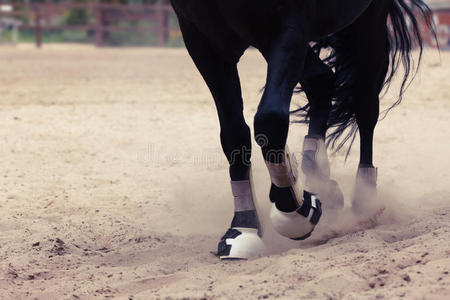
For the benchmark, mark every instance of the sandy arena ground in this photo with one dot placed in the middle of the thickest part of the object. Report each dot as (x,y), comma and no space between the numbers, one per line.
(113,185)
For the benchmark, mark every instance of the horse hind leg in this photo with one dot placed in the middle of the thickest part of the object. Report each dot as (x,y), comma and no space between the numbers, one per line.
(243,239)
(364,200)
(370,74)
(318,83)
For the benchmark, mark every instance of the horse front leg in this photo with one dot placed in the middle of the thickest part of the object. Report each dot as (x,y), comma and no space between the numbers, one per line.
(294,212)
(243,239)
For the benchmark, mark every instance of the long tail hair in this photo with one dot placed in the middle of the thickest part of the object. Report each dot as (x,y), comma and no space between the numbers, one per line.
(404,34)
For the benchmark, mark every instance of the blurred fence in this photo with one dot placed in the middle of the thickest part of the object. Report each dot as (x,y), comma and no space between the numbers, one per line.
(118,22)
(441,18)
(100,21)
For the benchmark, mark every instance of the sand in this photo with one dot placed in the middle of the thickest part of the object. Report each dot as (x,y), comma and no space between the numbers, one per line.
(113,185)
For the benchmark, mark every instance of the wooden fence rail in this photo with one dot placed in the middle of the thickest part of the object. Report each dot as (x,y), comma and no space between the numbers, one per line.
(105,18)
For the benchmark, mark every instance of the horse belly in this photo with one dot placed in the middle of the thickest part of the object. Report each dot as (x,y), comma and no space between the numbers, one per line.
(211,22)
(330,16)
(232,23)
(253,20)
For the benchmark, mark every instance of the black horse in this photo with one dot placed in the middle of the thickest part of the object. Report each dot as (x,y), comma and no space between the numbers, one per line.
(367,40)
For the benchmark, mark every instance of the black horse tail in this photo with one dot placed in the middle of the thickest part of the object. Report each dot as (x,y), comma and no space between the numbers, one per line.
(403,38)
(404,34)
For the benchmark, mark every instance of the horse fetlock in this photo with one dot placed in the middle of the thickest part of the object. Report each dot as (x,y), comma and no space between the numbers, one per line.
(316,168)
(315,164)
(243,239)
(245,213)
(365,199)
(367,176)
(284,176)
(243,195)
(332,195)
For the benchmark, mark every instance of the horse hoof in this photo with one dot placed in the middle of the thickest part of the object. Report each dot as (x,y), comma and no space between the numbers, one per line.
(366,203)
(240,243)
(299,224)
(367,206)
(334,198)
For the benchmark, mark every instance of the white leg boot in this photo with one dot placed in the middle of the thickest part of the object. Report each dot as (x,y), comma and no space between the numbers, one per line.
(244,238)
(316,167)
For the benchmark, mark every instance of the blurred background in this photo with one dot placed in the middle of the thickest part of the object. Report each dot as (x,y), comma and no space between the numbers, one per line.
(99,22)
(120,22)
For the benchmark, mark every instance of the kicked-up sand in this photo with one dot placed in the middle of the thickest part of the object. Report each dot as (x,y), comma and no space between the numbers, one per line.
(113,185)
